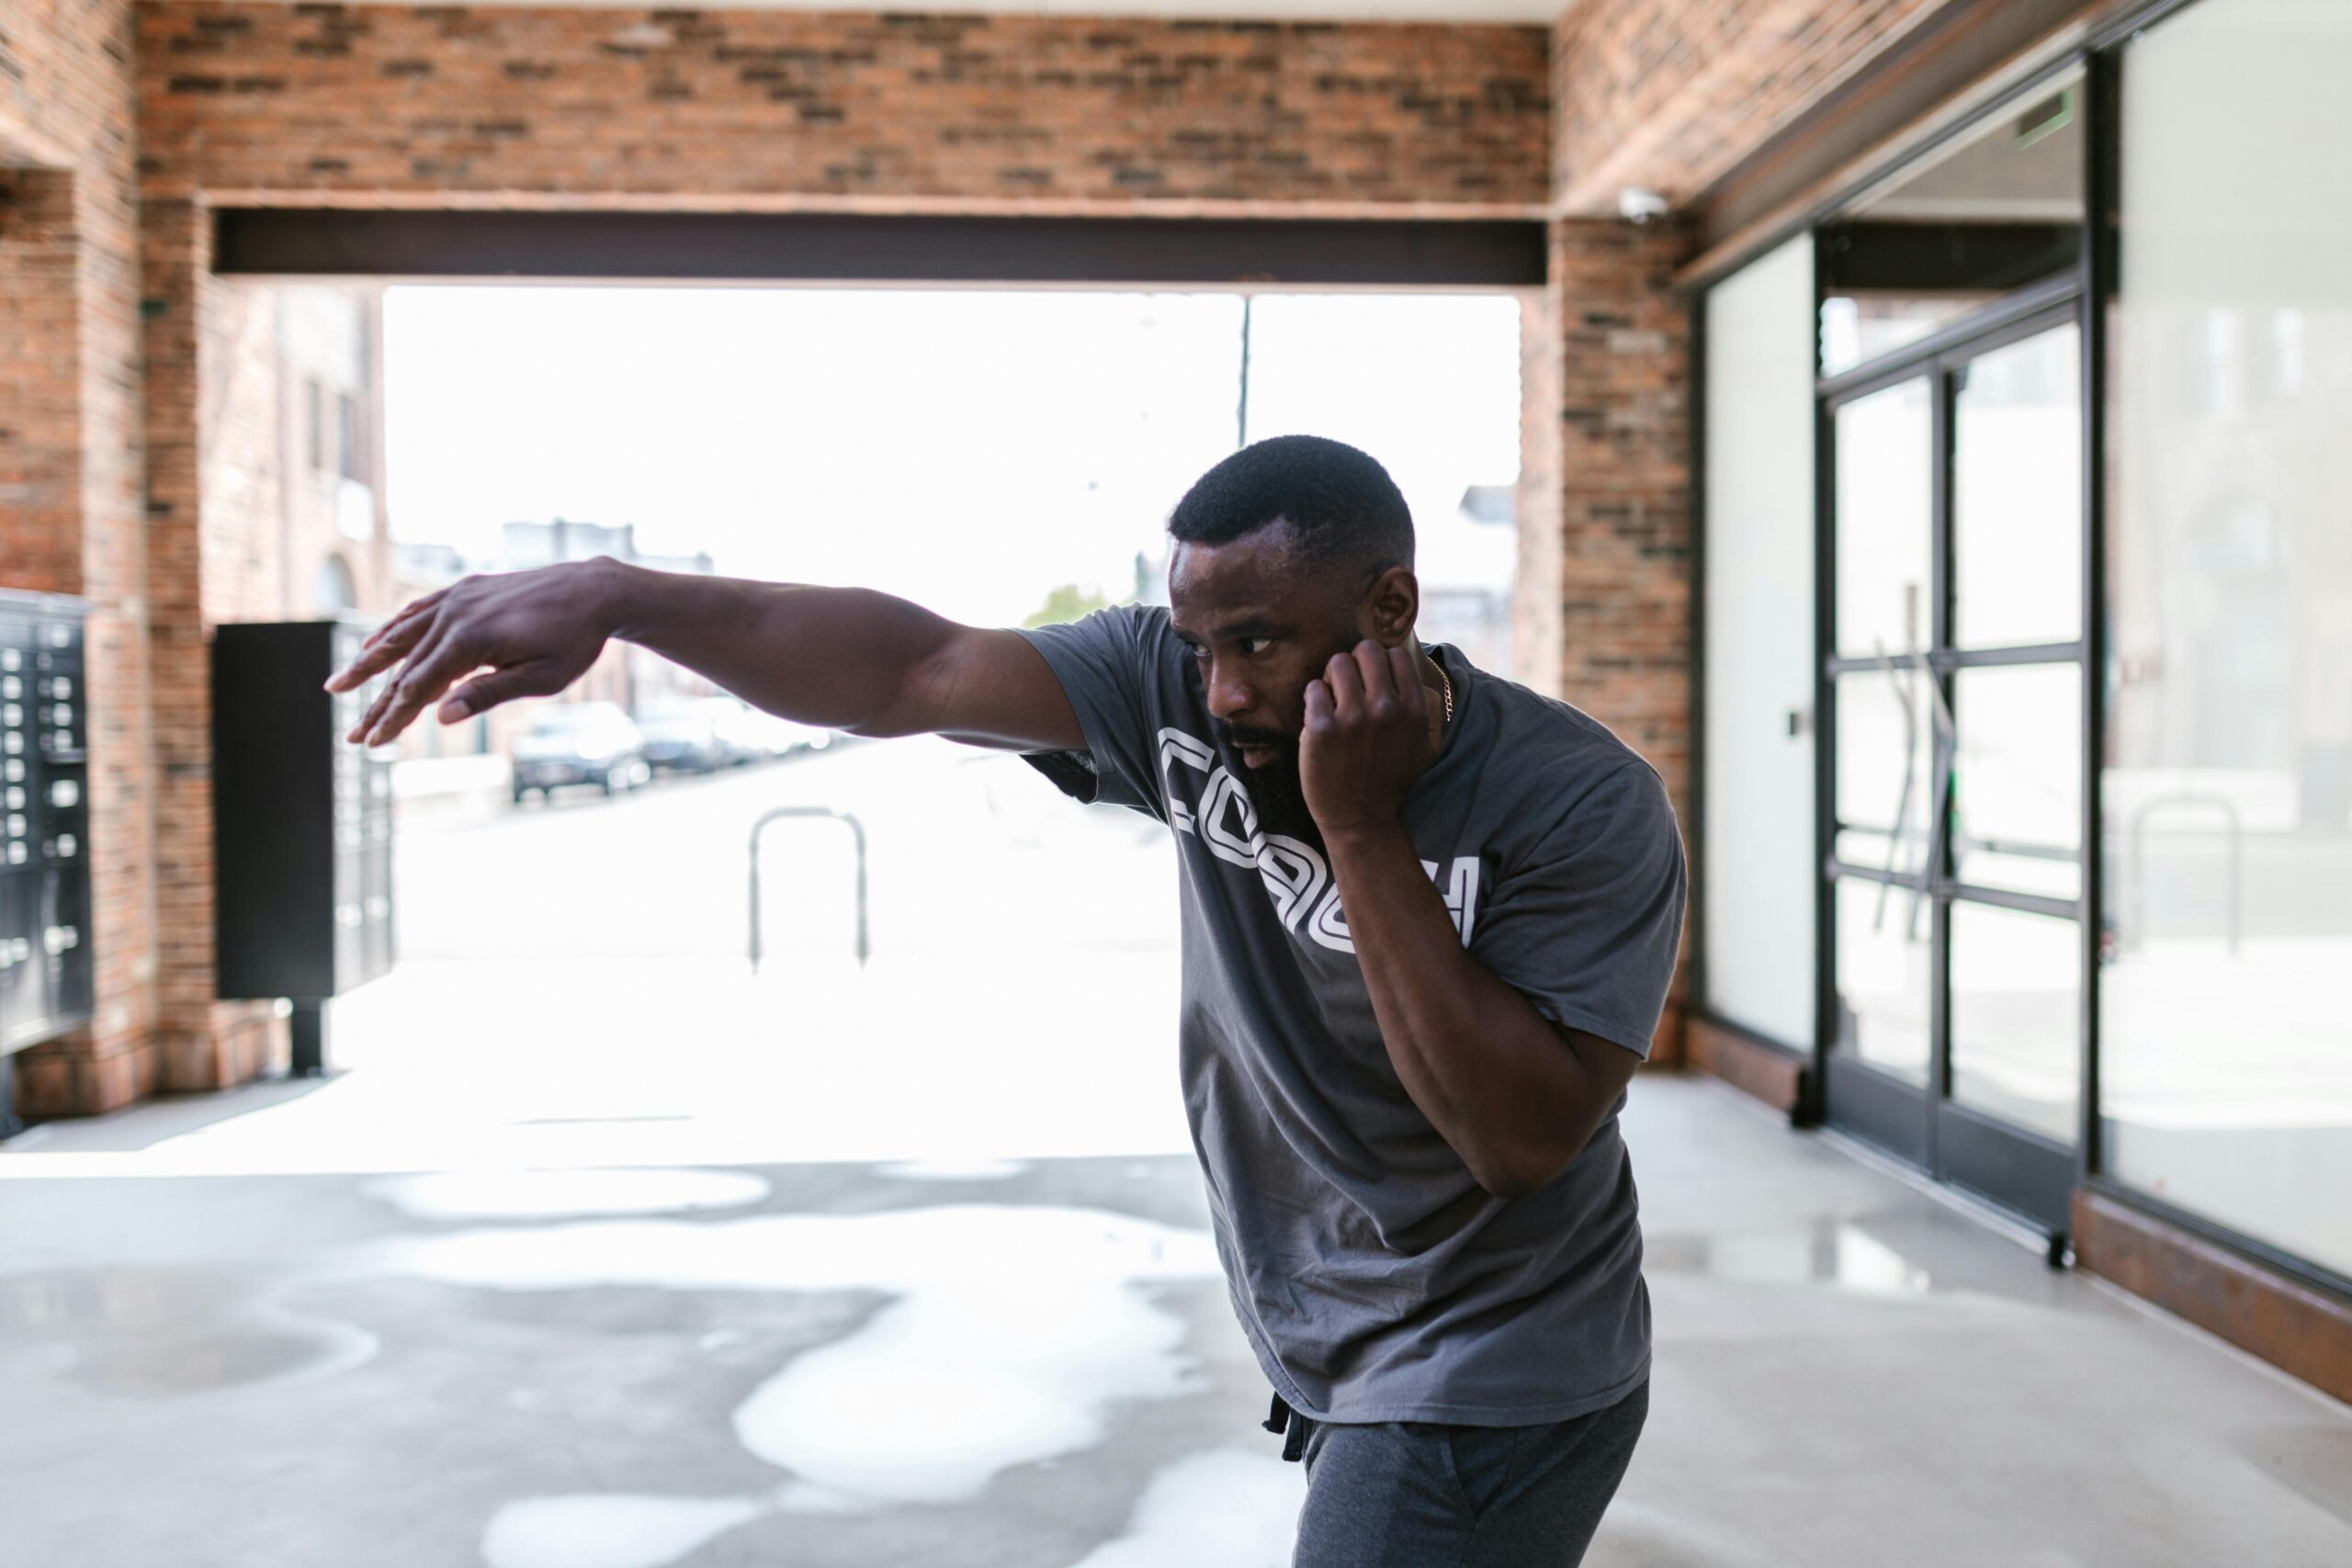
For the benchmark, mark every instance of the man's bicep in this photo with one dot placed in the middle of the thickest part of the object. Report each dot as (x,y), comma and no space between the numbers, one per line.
(989,687)
(1590,930)
(1607,1066)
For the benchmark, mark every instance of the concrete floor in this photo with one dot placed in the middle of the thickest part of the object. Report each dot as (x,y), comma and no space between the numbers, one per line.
(595,1261)
(1031,1364)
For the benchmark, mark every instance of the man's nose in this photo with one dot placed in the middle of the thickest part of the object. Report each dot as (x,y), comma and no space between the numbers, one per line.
(1228,697)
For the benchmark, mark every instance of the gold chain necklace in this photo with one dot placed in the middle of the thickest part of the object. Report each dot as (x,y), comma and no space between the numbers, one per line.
(1449,691)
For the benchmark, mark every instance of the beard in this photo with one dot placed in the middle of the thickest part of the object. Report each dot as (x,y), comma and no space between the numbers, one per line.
(1275,792)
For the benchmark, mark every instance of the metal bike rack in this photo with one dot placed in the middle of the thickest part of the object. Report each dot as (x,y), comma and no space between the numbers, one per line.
(857,831)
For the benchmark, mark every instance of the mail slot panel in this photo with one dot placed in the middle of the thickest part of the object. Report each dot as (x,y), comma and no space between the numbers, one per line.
(45,942)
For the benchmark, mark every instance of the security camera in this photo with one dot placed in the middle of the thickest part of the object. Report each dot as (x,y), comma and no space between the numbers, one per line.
(1638,204)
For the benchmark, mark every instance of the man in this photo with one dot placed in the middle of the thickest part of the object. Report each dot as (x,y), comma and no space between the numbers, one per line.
(1430,918)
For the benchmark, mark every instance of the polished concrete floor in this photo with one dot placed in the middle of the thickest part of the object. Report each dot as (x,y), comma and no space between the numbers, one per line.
(1029,1363)
(601,1253)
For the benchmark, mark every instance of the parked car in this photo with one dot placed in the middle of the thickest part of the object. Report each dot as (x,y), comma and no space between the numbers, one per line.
(734,723)
(576,743)
(687,743)
(753,734)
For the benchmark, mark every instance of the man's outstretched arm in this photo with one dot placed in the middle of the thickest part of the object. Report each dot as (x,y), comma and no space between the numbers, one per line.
(846,658)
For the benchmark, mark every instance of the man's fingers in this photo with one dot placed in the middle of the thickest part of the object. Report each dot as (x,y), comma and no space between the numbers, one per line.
(389,642)
(1407,678)
(428,675)
(416,607)
(1318,704)
(390,692)
(534,678)
(383,700)
(1346,687)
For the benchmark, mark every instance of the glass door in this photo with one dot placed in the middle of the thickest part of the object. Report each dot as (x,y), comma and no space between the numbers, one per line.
(1955,681)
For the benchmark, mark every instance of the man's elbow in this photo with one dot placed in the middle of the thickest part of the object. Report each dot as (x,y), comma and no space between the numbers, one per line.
(1530,1168)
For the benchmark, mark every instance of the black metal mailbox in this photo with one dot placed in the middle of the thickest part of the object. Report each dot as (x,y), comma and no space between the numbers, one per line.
(303,822)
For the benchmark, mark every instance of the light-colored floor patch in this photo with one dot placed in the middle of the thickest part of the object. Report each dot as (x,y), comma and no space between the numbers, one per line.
(560,1194)
(1015,1330)
(608,1531)
(945,1388)
(899,1250)
(1229,1507)
(953,1169)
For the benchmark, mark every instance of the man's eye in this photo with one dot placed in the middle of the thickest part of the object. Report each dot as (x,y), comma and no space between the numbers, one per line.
(1253,646)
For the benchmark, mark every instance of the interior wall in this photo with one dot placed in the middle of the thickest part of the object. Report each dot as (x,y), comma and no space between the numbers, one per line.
(1756,895)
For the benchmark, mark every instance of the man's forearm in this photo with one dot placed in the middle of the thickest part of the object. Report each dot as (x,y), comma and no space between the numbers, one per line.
(839,658)
(1500,1083)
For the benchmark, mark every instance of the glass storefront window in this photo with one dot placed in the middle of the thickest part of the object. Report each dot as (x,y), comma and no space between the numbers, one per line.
(2016,993)
(2017,798)
(1885,521)
(1886,726)
(1996,208)
(2226,1046)
(1885,947)
(2018,494)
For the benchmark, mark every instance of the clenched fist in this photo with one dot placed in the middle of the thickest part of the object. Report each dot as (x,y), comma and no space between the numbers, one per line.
(1367,738)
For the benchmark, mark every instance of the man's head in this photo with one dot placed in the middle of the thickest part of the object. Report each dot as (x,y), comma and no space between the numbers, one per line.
(1286,553)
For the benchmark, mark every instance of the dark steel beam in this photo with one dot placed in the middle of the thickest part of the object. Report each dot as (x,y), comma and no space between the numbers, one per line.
(853,248)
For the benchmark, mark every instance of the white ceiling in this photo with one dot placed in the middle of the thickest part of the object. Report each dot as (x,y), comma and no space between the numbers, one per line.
(1540,12)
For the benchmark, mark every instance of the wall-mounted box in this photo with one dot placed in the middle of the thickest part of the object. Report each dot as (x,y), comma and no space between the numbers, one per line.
(302,822)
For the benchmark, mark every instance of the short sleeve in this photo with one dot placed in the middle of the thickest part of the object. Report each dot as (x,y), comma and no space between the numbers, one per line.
(1588,925)
(1108,664)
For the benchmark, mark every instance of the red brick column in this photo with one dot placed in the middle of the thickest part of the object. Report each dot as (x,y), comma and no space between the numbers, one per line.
(69,396)
(209,550)
(40,424)
(1618,383)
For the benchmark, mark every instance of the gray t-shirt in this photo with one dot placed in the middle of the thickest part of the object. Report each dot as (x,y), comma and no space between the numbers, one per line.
(1375,1279)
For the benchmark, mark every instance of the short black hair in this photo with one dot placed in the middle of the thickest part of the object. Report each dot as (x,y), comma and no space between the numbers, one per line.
(1340,504)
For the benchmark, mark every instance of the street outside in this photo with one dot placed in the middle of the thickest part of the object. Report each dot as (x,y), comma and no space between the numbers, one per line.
(598,1251)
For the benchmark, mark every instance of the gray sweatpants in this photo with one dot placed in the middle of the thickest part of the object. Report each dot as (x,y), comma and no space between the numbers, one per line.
(1418,1495)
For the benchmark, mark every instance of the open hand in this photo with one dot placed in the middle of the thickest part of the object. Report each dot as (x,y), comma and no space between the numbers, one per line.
(537,631)
(1367,738)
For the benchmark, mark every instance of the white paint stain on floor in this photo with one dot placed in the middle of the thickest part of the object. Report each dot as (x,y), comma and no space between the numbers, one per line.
(948,1386)
(1015,1330)
(549,1194)
(953,1169)
(615,1530)
(1229,1506)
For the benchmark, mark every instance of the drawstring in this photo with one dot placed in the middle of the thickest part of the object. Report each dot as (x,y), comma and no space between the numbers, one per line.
(1282,1418)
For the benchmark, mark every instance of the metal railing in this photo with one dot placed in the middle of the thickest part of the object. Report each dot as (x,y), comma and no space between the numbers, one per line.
(857,831)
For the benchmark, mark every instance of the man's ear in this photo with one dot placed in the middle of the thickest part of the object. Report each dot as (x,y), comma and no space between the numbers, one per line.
(1391,606)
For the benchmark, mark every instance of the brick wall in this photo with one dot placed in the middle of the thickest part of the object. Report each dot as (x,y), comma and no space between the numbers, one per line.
(1672,93)
(749,110)
(41,432)
(447,107)
(741,111)
(1618,364)
(69,362)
